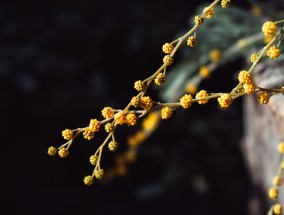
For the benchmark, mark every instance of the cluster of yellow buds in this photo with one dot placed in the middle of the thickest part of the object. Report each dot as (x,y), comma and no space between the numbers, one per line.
(246,79)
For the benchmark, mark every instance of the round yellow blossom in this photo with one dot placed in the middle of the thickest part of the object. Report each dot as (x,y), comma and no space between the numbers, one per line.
(139,85)
(273,52)
(166,113)
(112,146)
(269,29)
(99,173)
(282,90)
(273,193)
(281,147)
(186,101)
(198,20)
(191,41)
(108,112)
(67,134)
(94,159)
(94,125)
(277,181)
(135,101)
(146,103)
(109,127)
(209,14)
(277,209)
(52,151)
(88,180)
(151,121)
(253,57)
(130,119)
(200,95)
(191,88)
(225,100)
(215,55)
(204,72)
(160,79)
(263,97)
(244,77)
(119,118)
(225,3)
(168,60)
(249,88)
(88,134)
(63,152)
(168,48)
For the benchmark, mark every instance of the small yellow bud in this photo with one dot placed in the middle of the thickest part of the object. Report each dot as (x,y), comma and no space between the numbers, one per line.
(168,48)
(112,146)
(281,147)
(269,29)
(198,20)
(215,55)
(191,41)
(277,209)
(225,3)
(88,180)
(273,193)
(186,101)
(138,85)
(204,72)
(166,113)
(99,173)
(273,52)
(202,95)
(63,152)
(209,14)
(67,134)
(168,60)
(277,181)
(94,159)
(52,151)
(160,79)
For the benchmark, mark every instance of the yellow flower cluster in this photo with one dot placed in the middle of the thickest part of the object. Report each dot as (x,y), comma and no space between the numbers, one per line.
(166,113)
(99,173)
(160,79)
(201,95)
(112,146)
(273,193)
(277,209)
(204,72)
(253,57)
(108,112)
(93,159)
(138,85)
(146,102)
(119,118)
(248,85)
(186,101)
(168,60)
(215,55)
(191,41)
(210,13)
(225,100)
(263,97)
(135,101)
(63,152)
(88,134)
(109,127)
(269,29)
(130,119)
(67,134)
(198,20)
(277,181)
(281,148)
(88,180)
(167,48)
(94,125)
(225,3)
(52,151)
(273,52)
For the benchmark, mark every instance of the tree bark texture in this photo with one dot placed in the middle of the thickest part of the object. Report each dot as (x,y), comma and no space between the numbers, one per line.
(264,129)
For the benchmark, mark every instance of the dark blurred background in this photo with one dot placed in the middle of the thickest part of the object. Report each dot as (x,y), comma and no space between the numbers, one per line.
(61,62)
